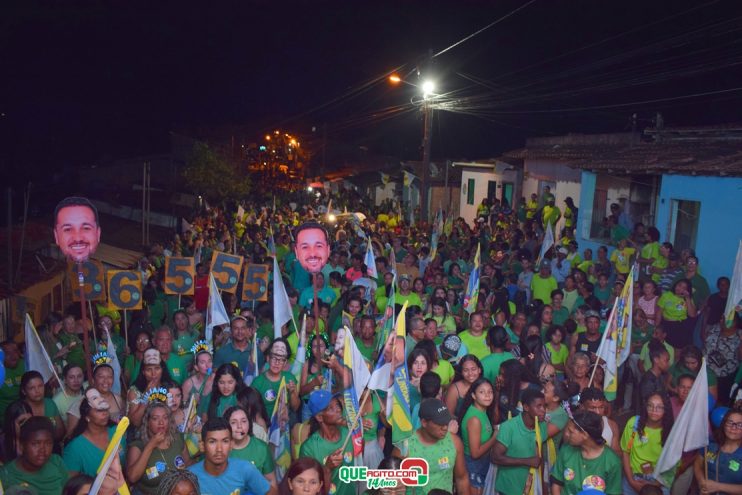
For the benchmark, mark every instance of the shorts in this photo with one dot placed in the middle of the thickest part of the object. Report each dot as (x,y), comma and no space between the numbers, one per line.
(477,470)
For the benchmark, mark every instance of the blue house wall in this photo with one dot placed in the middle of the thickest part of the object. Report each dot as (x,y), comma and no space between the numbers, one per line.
(720,225)
(719,228)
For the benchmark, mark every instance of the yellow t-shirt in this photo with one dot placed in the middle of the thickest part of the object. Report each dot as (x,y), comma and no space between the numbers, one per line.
(621,258)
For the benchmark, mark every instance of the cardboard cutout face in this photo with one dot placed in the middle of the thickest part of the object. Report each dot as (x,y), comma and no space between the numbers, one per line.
(97,401)
(312,249)
(76,232)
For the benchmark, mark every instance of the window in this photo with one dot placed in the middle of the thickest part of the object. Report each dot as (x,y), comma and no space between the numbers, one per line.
(636,196)
(684,224)
(470,192)
(507,192)
(491,190)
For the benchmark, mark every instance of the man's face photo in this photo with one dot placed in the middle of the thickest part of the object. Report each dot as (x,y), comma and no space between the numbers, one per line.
(312,249)
(76,232)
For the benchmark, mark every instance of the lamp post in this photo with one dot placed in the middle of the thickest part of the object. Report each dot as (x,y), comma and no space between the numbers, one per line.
(427,89)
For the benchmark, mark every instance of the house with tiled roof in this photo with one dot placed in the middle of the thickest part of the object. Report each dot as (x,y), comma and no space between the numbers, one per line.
(686,181)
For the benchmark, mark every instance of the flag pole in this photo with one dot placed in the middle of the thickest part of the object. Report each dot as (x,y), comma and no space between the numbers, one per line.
(85,337)
(355,422)
(92,324)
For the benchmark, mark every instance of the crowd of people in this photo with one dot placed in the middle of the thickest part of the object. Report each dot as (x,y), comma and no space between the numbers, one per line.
(505,389)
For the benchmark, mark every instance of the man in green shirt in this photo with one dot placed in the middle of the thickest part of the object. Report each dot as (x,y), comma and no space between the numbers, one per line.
(14,369)
(37,467)
(176,366)
(71,341)
(325,444)
(543,283)
(515,451)
(584,461)
(366,340)
(443,451)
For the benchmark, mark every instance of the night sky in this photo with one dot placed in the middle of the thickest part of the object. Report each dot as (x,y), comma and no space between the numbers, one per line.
(84,82)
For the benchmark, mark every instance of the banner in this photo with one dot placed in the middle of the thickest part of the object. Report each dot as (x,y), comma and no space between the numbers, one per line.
(179,276)
(216,314)
(734,300)
(282,312)
(278,432)
(124,289)
(401,417)
(36,357)
(471,297)
(226,269)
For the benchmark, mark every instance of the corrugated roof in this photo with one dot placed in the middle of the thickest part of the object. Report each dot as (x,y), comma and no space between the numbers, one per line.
(696,157)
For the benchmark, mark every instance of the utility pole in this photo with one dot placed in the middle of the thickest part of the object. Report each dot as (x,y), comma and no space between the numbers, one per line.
(428,117)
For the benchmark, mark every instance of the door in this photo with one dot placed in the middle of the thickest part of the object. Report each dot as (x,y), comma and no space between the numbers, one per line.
(491,190)
(507,192)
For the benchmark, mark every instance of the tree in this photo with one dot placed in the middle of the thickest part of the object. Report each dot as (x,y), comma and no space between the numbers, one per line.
(211,176)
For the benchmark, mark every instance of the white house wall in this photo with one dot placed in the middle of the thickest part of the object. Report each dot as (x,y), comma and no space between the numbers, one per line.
(481,177)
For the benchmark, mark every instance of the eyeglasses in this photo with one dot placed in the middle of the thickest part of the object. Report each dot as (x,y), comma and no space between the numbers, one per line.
(734,426)
(651,407)
(143,341)
(278,359)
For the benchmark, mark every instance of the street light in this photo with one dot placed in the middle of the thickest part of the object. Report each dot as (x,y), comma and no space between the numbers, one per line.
(427,89)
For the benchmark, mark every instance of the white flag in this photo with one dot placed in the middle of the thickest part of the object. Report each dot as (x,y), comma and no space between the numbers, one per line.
(111,351)
(548,242)
(216,314)
(240,212)
(370,261)
(734,300)
(282,313)
(36,357)
(185,226)
(356,362)
(690,430)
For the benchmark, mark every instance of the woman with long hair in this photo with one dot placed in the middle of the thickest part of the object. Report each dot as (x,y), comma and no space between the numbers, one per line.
(228,386)
(251,400)
(247,447)
(152,375)
(722,474)
(418,362)
(201,381)
(91,436)
(72,383)
(477,432)
(642,441)
(32,395)
(133,362)
(514,377)
(158,447)
(305,476)
(468,371)
(439,312)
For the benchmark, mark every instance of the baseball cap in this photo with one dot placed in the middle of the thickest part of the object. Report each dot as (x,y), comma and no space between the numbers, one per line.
(591,314)
(451,345)
(545,264)
(405,276)
(562,250)
(436,411)
(318,401)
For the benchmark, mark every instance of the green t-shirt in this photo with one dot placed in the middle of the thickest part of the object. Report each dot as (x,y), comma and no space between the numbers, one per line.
(176,366)
(559,418)
(441,458)
(491,364)
(445,371)
(640,337)
(475,345)
(77,353)
(11,389)
(485,431)
(558,356)
(411,298)
(318,448)
(366,351)
(83,456)
(258,453)
(572,471)
(645,448)
(673,307)
(569,299)
(132,365)
(542,287)
(49,480)
(182,346)
(159,461)
(678,369)
(269,389)
(560,315)
(519,442)
(370,434)
(602,293)
(621,258)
